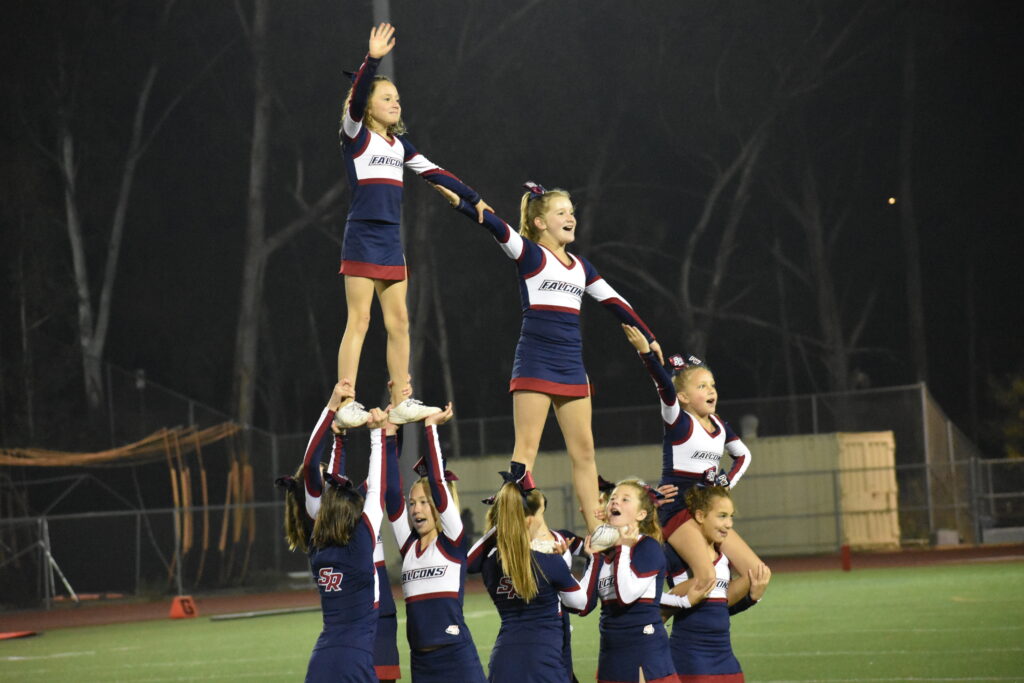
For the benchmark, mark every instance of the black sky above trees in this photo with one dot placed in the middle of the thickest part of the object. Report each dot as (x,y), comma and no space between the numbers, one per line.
(631,106)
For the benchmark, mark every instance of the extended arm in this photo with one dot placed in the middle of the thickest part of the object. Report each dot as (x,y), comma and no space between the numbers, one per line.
(451,518)
(605,294)
(576,595)
(373,505)
(382,41)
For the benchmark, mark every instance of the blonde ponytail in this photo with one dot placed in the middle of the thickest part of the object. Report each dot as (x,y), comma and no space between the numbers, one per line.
(514,542)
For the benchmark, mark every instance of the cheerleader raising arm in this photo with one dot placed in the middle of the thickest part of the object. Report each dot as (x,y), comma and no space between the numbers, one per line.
(322,438)
(451,518)
(376,153)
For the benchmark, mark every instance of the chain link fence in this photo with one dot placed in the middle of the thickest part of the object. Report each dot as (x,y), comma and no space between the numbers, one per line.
(115,529)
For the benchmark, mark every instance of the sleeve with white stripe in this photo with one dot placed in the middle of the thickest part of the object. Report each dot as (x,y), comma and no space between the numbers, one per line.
(451,517)
(576,598)
(311,462)
(631,582)
(351,123)
(373,504)
(739,453)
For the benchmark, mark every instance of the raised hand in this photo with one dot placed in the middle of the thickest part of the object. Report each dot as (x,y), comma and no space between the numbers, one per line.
(634,337)
(342,391)
(759,578)
(670,491)
(629,535)
(441,417)
(656,347)
(378,418)
(382,40)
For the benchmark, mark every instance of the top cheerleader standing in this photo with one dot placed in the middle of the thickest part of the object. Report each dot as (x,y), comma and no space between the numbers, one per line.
(376,152)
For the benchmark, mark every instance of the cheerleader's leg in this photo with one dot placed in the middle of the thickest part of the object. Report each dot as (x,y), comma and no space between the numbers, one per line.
(574,416)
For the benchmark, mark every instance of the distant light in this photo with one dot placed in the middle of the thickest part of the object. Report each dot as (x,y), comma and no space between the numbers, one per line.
(892,200)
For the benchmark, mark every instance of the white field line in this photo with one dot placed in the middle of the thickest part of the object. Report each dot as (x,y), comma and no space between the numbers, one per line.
(861,653)
(55,655)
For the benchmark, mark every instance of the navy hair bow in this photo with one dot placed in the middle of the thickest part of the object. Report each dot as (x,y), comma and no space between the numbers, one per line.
(337,481)
(420,468)
(534,189)
(654,494)
(604,486)
(509,478)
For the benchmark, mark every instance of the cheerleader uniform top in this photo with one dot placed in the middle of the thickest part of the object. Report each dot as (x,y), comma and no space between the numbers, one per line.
(549,355)
(345,575)
(700,641)
(433,579)
(629,581)
(688,449)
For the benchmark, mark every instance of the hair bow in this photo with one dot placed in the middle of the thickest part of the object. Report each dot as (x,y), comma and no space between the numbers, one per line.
(677,362)
(534,189)
(420,468)
(337,481)
(287,482)
(604,486)
(654,494)
(509,478)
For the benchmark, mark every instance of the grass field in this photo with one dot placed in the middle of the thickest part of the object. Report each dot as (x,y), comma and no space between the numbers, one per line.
(940,623)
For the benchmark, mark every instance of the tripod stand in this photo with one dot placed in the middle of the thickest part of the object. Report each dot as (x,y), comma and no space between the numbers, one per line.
(49,567)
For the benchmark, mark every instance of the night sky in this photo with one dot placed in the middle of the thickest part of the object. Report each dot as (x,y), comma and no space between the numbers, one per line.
(630,106)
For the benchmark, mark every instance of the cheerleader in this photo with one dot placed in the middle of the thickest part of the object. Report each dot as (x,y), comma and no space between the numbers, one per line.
(341,559)
(694,442)
(528,586)
(548,369)
(376,152)
(700,643)
(433,549)
(385,652)
(634,644)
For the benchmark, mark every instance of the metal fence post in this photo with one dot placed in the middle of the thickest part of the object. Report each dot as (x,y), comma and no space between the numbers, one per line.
(972,487)
(923,397)
(838,494)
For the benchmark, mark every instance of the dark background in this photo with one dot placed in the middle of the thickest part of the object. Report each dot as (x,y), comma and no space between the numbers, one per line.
(651,98)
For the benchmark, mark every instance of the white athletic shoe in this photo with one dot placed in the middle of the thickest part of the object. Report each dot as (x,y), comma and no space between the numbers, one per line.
(351,415)
(603,537)
(411,410)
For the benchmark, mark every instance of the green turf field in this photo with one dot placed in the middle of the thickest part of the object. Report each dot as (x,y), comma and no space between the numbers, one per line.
(949,623)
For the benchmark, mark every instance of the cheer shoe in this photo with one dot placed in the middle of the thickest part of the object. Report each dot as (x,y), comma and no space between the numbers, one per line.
(351,415)
(411,410)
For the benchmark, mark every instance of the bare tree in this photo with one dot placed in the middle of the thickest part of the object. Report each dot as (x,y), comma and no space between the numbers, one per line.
(94,311)
(261,243)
